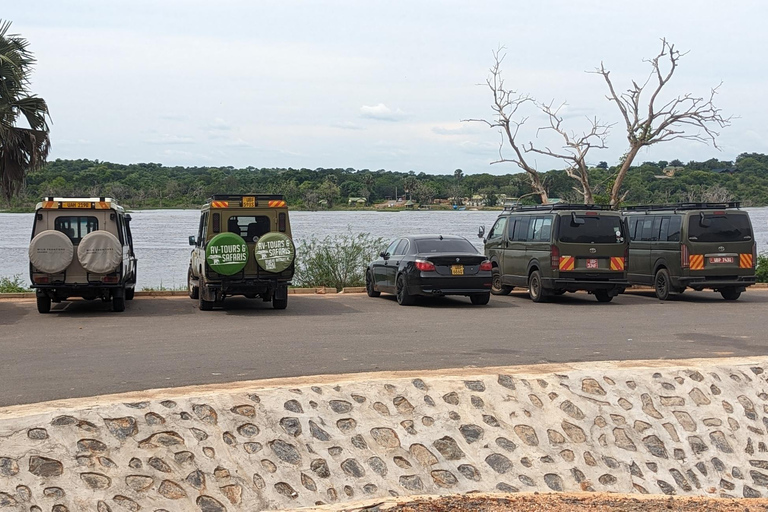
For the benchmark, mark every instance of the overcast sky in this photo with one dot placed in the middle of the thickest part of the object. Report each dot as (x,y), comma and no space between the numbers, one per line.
(370,84)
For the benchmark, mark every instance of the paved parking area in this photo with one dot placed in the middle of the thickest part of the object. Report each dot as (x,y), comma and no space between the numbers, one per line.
(83,349)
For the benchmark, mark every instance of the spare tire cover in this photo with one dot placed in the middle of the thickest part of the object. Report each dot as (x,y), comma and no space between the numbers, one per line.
(226,254)
(100,252)
(51,251)
(275,252)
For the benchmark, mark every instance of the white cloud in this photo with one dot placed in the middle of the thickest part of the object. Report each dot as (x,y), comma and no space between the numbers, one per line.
(457,129)
(347,125)
(381,112)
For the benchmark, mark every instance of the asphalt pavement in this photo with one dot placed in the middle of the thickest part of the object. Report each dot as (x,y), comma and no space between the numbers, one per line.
(83,349)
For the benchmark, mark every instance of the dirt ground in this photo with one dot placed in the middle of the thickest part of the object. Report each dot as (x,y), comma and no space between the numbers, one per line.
(568,503)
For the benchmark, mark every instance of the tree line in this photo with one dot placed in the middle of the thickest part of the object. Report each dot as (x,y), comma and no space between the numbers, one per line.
(152,185)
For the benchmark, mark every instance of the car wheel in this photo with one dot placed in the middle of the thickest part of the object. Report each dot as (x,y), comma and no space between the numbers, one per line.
(730,293)
(369,286)
(118,301)
(496,287)
(202,304)
(130,293)
(662,284)
(280,303)
(43,305)
(603,296)
(403,297)
(480,299)
(535,287)
(194,291)
(558,292)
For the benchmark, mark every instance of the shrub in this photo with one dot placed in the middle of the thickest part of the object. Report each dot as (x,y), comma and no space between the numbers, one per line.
(335,261)
(761,270)
(14,284)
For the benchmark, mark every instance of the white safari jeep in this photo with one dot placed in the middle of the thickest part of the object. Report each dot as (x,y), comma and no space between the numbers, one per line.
(82,247)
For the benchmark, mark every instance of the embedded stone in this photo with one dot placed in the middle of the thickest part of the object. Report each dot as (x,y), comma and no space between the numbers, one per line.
(163,439)
(127,503)
(346,424)
(680,480)
(291,426)
(471,433)
(693,478)
(525,479)
(641,426)
(525,461)
(554,482)
(469,472)
(429,401)
(672,401)
(221,473)
(209,504)
(725,484)
(592,387)
(589,460)
(506,444)
(702,468)
(252,448)
(122,428)
(37,434)
(293,406)
(168,404)
(567,455)
(666,488)
(319,390)
(359,442)
(378,466)
(358,398)
(733,424)
(697,445)
(96,480)
(139,483)
(685,420)
(671,431)
(320,467)
(370,488)
(45,467)
(451,398)
(475,385)
(698,397)
(63,421)
(714,389)
(622,440)
(408,427)
(349,491)
(382,408)
(527,435)
(8,467)
(448,448)
(712,422)
(555,437)
(91,445)
(625,404)
(572,410)
(443,478)
(206,413)
(152,418)
(648,407)
(385,437)
(229,439)
(402,405)
(6,500)
(749,492)
(268,465)
(412,482)
(317,432)
(335,451)
(635,470)
(308,482)
(419,384)
(24,493)
(736,472)
(427,421)
(759,478)
(171,490)
(762,464)
(340,406)
(285,451)
(209,452)
(476,402)
(422,454)
(748,406)
(607,479)
(727,407)
(536,401)
(718,464)
(506,381)
(574,432)
(499,463)
(454,416)
(656,447)
(233,492)
(719,440)
(353,468)
(248,430)
(332,495)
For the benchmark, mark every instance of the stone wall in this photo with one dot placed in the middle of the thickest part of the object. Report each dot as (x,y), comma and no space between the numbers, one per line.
(689,428)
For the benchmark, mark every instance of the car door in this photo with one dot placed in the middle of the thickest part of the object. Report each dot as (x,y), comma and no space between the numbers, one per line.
(539,247)
(667,250)
(496,241)
(641,243)
(394,262)
(380,266)
(515,261)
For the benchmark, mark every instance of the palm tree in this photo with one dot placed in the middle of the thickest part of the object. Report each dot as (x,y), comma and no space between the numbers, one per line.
(21,149)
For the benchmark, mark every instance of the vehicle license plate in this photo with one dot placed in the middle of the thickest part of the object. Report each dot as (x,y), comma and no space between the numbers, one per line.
(72,204)
(457,270)
(592,263)
(721,259)
(249,202)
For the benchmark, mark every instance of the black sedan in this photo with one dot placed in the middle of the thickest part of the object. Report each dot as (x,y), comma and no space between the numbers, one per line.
(431,266)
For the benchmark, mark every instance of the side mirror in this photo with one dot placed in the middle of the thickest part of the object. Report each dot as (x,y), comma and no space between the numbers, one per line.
(480,232)
(127,217)
(577,221)
(384,255)
(703,221)
(192,241)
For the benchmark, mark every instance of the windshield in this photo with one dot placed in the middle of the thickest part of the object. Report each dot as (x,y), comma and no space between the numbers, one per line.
(597,229)
(444,245)
(719,228)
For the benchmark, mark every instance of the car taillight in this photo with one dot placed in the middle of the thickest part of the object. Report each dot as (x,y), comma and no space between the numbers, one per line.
(754,255)
(626,257)
(486,266)
(684,262)
(425,266)
(113,278)
(555,257)
(41,280)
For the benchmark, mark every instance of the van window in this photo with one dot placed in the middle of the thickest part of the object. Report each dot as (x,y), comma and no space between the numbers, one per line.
(541,229)
(76,227)
(632,225)
(727,227)
(497,231)
(674,229)
(521,229)
(444,245)
(250,228)
(596,229)
(402,247)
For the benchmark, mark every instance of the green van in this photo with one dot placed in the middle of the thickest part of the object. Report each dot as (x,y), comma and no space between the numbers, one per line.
(553,249)
(691,245)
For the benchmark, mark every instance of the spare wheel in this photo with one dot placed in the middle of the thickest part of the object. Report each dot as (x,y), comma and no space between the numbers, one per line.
(51,252)
(100,252)
(275,252)
(226,254)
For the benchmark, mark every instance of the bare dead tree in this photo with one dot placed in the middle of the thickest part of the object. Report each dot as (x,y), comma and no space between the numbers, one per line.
(650,121)
(508,120)
(575,147)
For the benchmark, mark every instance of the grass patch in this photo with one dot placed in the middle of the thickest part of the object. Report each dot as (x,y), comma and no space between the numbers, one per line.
(13,284)
(761,269)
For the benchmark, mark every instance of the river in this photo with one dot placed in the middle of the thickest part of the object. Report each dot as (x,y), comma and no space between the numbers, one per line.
(161,236)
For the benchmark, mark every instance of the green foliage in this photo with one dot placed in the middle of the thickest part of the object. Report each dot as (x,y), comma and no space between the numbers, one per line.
(335,261)
(761,270)
(14,284)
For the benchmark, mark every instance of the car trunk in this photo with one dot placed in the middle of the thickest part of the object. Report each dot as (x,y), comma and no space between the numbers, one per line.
(720,244)
(454,263)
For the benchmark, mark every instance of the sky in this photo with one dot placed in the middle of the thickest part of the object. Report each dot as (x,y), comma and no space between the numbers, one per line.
(373,84)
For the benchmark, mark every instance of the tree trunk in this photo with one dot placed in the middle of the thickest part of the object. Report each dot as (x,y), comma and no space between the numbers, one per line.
(622,174)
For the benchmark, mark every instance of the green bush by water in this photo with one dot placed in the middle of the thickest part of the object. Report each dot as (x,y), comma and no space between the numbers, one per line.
(14,284)
(761,271)
(335,261)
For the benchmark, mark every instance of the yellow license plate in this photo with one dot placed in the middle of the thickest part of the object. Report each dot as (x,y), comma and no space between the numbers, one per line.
(457,270)
(74,204)
(249,202)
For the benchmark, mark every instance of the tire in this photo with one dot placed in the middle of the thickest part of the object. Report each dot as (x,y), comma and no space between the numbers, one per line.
(403,297)
(603,296)
(369,286)
(280,303)
(118,301)
(496,287)
(730,293)
(202,304)
(481,299)
(43,305)
(51,252)
(129,293)
(558,292)
(194,291)
(535,288)
(662,284)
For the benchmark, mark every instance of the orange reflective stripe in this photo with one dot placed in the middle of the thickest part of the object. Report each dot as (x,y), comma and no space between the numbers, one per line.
(275,203)
(617,263)
(219,204)
(696,261)
(745,261)
(103,205)
(49,204)
(567,262)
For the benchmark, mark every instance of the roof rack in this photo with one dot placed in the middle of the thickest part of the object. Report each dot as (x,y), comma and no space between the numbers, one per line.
(238,197)
(682,206)
(556,206)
